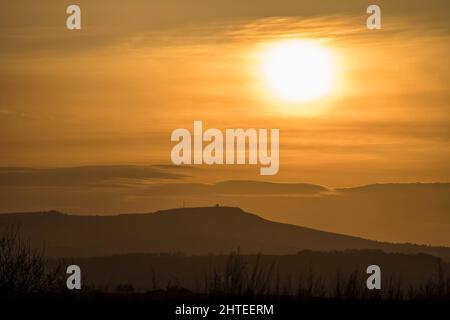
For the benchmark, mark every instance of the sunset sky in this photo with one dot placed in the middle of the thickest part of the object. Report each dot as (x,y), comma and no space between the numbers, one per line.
(112,93)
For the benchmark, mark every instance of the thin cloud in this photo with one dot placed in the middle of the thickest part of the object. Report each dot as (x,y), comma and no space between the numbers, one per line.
(83,176)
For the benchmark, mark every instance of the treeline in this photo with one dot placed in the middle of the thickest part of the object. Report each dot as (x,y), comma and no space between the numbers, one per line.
(26,273)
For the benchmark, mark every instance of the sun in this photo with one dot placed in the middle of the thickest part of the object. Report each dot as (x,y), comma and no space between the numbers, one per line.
(298,70)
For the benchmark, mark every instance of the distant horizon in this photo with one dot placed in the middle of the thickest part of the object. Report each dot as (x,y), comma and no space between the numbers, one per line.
(263,215)
(216,206)
(190,170)
(391,211)
(179,213)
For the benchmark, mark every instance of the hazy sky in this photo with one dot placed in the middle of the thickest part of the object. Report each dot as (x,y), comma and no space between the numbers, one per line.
(113,92)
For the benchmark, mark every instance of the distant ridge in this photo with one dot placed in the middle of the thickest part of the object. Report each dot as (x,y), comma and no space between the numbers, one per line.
(389,187)
(190,230)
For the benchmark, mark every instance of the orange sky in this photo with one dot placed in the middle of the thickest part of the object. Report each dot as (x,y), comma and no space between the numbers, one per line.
(113,92)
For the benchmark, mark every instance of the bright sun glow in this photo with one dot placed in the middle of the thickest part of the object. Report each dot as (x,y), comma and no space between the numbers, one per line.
(298,71)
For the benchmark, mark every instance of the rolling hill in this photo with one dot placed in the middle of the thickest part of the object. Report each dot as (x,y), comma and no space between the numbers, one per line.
(189,230)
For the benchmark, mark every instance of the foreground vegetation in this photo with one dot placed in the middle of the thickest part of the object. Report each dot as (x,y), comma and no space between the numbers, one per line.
(26,273)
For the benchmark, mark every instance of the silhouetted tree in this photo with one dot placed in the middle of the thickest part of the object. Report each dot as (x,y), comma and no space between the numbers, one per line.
(24,271)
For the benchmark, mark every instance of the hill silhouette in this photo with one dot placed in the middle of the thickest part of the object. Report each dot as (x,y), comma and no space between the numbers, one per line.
(391,212)
(189,230)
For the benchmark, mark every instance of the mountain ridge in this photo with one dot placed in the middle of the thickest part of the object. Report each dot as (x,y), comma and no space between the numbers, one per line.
(197,230)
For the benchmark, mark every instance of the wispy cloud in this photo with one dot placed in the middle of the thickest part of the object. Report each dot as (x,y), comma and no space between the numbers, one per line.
(86,176)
